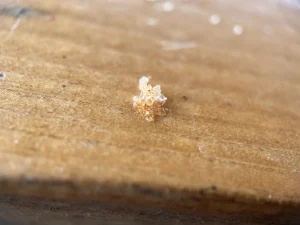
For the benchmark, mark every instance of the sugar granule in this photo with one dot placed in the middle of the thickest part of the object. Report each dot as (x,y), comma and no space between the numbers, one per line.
(150,101)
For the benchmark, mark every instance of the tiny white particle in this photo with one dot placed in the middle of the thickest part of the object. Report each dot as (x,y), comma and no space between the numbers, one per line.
(173,46)
(16,142)
(200,148)
(143,80)
(150,101)
(152,21)
(238,29)
(162,98)
(215,19)
(2,75)
(168,6)
(270,196)
(135,98)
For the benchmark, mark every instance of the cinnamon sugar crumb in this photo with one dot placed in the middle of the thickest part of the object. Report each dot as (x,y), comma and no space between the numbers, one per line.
(150,101)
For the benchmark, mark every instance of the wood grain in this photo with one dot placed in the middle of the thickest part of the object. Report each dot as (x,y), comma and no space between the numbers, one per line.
(23,210)
(67,127)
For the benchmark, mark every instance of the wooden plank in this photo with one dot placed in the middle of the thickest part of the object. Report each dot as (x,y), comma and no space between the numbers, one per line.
(68,129)
(23,210)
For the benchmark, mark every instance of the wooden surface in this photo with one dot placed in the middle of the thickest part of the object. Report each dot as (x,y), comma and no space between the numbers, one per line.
(36,211)
(67,127)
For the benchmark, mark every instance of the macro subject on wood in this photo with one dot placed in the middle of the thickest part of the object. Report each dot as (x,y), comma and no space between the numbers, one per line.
(68,128)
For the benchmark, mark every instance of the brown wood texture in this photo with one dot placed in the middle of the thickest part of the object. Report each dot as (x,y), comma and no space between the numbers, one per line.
(16,210)
(68,129)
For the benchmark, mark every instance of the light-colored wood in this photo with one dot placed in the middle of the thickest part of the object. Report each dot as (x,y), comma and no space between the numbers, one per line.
(67,127)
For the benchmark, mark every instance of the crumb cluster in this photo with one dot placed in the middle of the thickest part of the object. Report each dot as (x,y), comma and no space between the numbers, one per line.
(150,101)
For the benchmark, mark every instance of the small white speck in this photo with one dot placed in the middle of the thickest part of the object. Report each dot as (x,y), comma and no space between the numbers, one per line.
(135,98)
(173,46)
(2,75)
(238,29)
(16,142)
(215,19)
(270,196)
(162,98)
(152,21)
(143,82)
(168,6)
(200,148)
